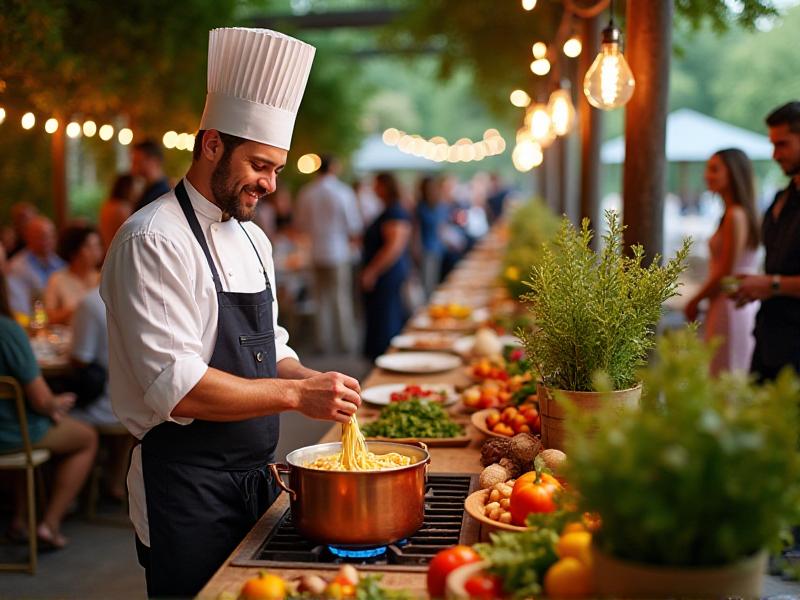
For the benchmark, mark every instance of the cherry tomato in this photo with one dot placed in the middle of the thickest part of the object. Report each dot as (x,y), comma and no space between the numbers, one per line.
(484,585)
(443,563)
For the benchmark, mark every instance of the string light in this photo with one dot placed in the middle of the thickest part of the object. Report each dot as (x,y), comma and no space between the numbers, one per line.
(541,66)
(526,156)
(539,50)
(89,128)
(308,163)
(106,132)
(437,149)
(2,114)
(73,129)
(541,127)
(28,120)
(572,47)
(51,125)
(520,98)
(125,136)
(528,4)
(609,82)
(561,111)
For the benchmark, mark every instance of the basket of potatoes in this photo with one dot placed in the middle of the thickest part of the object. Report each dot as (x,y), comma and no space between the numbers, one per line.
(491,508)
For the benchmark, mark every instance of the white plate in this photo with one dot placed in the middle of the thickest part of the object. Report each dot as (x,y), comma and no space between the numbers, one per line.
(463,345)
(423,320)
(436,342)
(382,394)
(418,362)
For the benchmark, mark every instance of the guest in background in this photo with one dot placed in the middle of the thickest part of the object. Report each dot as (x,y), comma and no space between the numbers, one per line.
(31,268)
(21,213)
(72,443)
(81,247)
(117,207)
(328,213)
(147,162)
(386,267)
(369,205)
(431,216)
(499,192)
(454,236)
(733,250)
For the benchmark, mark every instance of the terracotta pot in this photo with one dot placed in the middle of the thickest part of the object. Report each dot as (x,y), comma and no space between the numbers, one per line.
(553,414)
(623,579)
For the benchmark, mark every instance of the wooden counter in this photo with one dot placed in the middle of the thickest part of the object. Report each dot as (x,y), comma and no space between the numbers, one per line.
(477,271)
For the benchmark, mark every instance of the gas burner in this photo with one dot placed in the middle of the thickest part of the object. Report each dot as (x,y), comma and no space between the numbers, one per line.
(445,524)
(357,553)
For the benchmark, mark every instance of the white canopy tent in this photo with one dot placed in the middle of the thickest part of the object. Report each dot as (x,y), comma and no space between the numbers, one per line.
(694,137)
(375,155)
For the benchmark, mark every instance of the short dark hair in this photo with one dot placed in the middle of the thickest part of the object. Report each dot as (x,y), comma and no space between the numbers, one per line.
(229,142)
(122,188)
(788,114)
(151,148)
(326,162)
(72,239)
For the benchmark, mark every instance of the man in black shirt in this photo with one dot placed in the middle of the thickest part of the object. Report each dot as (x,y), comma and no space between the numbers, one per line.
(777,329)
(147,161)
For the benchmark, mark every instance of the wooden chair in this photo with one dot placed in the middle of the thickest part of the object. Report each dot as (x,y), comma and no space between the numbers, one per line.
(27,459)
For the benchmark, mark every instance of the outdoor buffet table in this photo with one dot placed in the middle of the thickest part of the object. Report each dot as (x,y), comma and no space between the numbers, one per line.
(475,272)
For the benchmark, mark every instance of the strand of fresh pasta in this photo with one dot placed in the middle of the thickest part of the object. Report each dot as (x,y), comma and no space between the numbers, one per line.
(355,456)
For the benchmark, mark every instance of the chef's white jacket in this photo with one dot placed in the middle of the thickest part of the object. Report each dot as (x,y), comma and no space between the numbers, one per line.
(162,313)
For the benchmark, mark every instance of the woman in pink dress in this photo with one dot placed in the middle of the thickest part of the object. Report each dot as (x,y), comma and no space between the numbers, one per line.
(733,250)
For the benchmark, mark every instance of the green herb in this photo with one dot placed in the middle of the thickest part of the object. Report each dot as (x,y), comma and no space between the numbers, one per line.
(595,311)
(368,588)
(413,418)
(520,559)
(705,473)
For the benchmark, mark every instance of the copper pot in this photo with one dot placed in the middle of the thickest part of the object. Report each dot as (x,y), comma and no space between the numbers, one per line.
(356,508)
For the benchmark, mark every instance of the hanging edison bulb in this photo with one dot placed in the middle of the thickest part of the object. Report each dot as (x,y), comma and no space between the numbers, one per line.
(562,112)
(538,122)
(609,81)
(526,156)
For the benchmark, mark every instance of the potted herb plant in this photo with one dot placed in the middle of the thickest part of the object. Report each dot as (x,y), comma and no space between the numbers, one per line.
(693,487)
(594,312)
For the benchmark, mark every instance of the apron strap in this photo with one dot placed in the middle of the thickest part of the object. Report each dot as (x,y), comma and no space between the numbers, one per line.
(194,225)
(263,268)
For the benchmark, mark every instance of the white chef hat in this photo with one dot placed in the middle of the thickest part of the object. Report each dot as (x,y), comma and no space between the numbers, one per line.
(256,80)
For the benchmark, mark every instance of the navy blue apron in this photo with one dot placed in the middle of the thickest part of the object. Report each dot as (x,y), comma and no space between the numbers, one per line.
(206,483)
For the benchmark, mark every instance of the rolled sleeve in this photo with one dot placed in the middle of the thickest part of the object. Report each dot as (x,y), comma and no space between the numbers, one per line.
(155,323)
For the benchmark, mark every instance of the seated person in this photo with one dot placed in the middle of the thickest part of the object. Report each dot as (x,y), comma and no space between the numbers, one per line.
(73,444)
(89,355)
(31,267)
(80,246)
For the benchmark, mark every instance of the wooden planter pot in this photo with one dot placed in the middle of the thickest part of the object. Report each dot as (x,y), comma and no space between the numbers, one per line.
(623,579)
(553,414)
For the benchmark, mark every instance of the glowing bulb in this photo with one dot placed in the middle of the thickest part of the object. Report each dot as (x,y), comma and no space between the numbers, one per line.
(28,120)
(391,136)
(73,130)
(609,81)
(190,137)
(519,98)
(490,133)
(308,163)
(541,66)
(573,47)
(2,114)
(541,127)
(106,132)
(539,50)
(526,156)
(528,4)
(170,139)
(89,128)
(51,125)
(562,112)
(125,136)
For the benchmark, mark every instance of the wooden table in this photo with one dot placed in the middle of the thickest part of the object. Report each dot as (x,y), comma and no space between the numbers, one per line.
(229,578)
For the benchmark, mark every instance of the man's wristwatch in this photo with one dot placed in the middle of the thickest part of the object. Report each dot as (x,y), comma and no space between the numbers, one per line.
(776,285)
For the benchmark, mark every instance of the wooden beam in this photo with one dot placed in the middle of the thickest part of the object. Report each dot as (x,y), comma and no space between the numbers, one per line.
(58,155)
(591,126)
(649,34)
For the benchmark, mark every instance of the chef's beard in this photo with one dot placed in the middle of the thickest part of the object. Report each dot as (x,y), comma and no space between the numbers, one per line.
(226,193)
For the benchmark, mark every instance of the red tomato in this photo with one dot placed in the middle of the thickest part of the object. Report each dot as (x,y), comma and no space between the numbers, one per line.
(443,563)
(484,585)
(532,496)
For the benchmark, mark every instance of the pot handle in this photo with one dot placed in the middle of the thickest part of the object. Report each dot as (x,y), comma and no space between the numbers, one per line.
(276,470)
(424,446)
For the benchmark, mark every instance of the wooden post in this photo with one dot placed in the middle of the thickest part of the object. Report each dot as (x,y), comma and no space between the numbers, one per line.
(648,31)
(58,155)
(591,127)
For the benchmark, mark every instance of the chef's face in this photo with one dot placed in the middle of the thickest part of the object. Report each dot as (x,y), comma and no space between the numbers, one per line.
(245,175)
(786,148)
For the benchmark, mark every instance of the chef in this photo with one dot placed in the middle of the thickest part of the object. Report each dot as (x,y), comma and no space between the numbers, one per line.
(199,368)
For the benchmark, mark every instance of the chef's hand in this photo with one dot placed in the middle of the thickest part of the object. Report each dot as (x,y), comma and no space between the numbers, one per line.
(331,396)
(753,287)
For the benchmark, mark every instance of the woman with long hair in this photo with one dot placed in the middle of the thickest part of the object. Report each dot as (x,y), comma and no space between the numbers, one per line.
(733,250)
(386,265)
(72,443)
